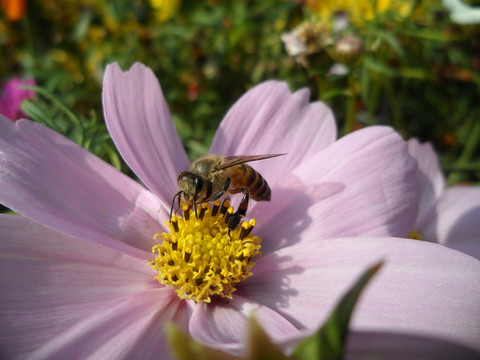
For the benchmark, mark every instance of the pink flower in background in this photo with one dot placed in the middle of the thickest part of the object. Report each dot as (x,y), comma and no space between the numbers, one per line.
(449,216)
(13,96)
(74,273)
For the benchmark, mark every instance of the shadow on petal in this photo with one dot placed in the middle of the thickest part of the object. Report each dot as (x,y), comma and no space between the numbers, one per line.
(274,273)
(284,221)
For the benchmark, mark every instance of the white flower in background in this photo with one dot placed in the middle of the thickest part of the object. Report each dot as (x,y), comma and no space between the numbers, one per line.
(462,13)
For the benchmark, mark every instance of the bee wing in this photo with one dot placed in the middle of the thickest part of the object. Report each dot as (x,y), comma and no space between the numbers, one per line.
(230,161)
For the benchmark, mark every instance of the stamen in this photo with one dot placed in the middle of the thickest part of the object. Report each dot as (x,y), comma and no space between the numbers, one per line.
(247,228)
(225,206)
(202,258)
(228,215)
(243,231)
(252,224)
(203,209)
(216,206)
(186,211)
(174,223)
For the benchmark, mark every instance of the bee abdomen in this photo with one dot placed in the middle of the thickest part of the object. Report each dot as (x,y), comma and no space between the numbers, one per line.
(256,185)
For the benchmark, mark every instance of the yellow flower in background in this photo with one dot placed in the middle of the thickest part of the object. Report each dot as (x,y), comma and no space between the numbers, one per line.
(358,11)
(164,9)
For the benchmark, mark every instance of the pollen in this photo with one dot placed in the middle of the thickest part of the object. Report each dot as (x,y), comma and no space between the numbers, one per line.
(200,258)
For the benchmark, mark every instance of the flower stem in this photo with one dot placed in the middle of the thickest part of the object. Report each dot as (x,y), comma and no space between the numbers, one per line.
(29,39)
(373,100)
(351,105)
(395,108)
(467,152)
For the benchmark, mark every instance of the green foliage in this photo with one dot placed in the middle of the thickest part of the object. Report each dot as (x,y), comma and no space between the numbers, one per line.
(205,56)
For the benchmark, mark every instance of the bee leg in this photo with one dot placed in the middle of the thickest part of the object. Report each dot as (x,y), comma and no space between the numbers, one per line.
(176,196)
(241,211)
(219,194)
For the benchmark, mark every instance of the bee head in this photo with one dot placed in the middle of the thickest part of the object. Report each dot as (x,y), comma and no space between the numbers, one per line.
(191,185)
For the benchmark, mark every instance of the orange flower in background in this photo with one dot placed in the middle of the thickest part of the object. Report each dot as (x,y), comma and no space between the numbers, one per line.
(15,9)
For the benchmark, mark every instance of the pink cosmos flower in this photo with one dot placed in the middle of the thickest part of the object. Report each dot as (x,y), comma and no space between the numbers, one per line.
(73,269)
(13,96)
(448,216)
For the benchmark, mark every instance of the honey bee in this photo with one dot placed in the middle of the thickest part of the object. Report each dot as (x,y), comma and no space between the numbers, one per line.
(212,176)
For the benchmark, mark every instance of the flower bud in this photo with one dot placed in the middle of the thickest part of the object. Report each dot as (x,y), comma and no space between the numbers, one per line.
(347,50)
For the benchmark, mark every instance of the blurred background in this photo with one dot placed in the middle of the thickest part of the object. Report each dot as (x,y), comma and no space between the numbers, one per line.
(411,64)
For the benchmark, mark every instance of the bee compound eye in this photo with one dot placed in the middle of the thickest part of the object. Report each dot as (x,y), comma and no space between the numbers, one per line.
(198,182)
(183,177)
(198,186)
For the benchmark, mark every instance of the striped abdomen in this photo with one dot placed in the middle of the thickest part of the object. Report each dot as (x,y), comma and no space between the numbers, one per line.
(244,176)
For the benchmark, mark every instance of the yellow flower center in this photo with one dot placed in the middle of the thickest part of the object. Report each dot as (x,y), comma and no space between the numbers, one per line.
(200,257)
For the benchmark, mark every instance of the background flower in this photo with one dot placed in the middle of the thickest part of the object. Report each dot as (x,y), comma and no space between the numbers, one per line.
(448,216)
(462,13)
(359,11)
(14,9)
(165,9)
(13,96)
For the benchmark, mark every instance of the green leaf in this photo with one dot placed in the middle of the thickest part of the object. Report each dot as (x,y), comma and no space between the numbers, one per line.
(392,40)
(379,67)
(416,73)
(432,35)
(260,347)
(81,27)
(334,93)
(47,109)
(37,115)
(329,341)
(365,84)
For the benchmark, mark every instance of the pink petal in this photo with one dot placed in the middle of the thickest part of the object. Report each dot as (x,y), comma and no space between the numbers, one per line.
(398,346)
(423,289)
(363,185)
(141,126)
(270,119)
(456,220)
(430,179)
(50,179)
(129,328)
(51,281)
(223,324)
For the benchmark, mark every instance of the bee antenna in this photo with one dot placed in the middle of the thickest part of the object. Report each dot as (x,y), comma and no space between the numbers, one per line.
(177,195)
